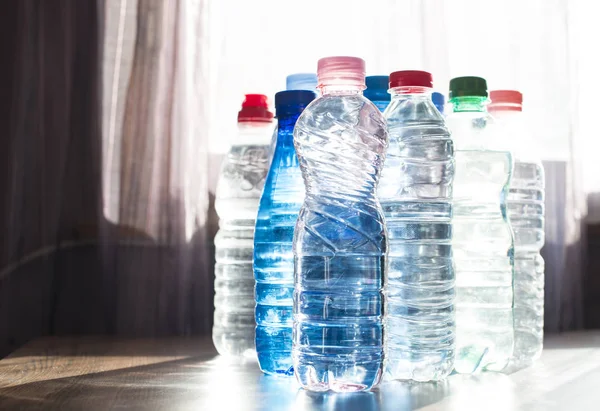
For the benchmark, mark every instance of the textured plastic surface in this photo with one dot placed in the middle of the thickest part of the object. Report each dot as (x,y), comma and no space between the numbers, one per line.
(273,257)
(339,244)
(416,196)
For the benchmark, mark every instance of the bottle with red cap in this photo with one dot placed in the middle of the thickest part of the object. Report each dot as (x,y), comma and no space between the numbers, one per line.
(526,213)
(416,196)
(483,245)
(340,244)
(238,193)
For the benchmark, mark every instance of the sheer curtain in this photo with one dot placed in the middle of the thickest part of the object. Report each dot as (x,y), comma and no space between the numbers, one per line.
(155,172)
(103,170)
(119,110)
(524,45)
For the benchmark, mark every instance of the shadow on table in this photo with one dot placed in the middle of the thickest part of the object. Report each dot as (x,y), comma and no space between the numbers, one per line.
(109,346)
(572,340)
(166,385)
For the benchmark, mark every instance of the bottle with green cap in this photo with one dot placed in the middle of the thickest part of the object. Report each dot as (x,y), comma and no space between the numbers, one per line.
(483,242)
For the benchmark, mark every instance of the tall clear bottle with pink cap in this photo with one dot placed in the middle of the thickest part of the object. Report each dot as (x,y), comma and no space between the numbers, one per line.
(526,212)
(340,244)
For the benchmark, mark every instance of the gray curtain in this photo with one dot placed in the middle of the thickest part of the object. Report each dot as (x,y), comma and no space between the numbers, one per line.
(102,171)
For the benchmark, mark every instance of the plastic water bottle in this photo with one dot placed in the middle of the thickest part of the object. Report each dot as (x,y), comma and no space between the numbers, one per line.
(280,204)
(238,192)
(340,243)
(377,91)
(482,237)
(526,213)
(416,196)
(301,81)
(438,101)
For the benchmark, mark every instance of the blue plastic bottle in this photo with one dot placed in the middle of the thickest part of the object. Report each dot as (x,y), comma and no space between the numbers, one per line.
(377,91)
(416,196)
(273,258)
(438,101)
(340,243)
(301,81)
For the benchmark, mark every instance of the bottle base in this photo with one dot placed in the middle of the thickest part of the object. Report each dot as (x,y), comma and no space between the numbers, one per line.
(408,370)
(472,359)
(334,374)
(277,364)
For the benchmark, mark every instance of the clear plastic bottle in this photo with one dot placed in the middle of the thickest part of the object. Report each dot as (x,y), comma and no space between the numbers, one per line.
(280,204)
(482,238)
(526,213)
(340,243)
(416,196)
(238,192)
(377,91)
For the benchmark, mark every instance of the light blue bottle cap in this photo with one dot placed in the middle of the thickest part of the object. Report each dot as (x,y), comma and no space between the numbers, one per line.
(301,81)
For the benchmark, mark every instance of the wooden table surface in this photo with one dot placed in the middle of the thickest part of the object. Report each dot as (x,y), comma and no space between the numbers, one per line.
(90,373)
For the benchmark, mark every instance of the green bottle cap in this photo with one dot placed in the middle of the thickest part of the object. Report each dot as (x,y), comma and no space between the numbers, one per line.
(468,87)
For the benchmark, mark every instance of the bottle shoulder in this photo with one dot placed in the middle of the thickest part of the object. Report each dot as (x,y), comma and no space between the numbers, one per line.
(348,105)
(243,171)
(344,120)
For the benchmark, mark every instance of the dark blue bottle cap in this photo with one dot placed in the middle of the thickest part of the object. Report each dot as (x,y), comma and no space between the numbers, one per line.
(291,102)
(438,100)
(377,88)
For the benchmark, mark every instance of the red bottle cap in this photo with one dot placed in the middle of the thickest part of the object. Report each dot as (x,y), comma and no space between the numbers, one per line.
(505,100)
(255,108)
(411,78)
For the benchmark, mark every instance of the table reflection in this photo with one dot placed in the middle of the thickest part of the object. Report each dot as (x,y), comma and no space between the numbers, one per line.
(241,385)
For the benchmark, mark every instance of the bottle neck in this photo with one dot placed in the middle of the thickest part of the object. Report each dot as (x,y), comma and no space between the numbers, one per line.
(285,128)
(411,92)
(254,132)
(341,89)
(287,121)
(469,104)
(401,93)
(254,125)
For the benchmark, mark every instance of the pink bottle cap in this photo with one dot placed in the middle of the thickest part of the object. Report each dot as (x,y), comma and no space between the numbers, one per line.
(505,100)
(341,71)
